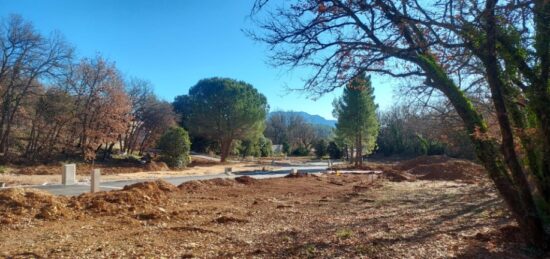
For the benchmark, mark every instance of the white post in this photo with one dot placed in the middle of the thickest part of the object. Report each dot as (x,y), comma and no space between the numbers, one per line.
(294,171)
(68,176)
(228,171)
(96,176)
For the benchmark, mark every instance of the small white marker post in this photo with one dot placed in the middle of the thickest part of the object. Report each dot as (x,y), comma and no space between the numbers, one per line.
(96,175)
(68,176)
(228,171)
(294,171)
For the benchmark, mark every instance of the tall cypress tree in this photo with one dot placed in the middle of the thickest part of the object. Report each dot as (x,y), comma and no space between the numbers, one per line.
(356,113)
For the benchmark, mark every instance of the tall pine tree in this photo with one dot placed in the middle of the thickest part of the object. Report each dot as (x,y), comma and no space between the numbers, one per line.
(357,121)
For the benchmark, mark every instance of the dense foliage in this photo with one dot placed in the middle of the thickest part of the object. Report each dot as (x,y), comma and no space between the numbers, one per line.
(257,147)
(405,131)
(175,145)
(357,122)
(223,110)
(321,148)
(334,151)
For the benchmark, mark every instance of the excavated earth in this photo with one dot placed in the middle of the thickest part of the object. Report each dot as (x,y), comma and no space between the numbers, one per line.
(436,213)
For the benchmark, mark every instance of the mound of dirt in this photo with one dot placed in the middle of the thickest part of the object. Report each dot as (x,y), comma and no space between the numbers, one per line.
(418,161)
(449,171)
(397,176)
(20,205)
(151,187)
(156,166)
(436,168)
(132,197)
(191,186)
(218,182)
(245,179)
(370,166)
(195,186)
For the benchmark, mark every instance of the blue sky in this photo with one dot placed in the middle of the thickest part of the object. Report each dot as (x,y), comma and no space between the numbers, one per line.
(175,43)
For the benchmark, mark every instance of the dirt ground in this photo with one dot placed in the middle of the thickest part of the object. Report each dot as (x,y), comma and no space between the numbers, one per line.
(323,216)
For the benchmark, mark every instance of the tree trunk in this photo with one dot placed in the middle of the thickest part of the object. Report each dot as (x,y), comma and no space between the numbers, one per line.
(225,146)
(487,153)
(359,155)
(351,154)
(528,214)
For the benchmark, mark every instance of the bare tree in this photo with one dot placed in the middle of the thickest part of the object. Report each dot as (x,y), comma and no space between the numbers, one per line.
(290,128)
(26,57)
(150,117)
(446,47)
(140,93)
(54,114)
(102,106)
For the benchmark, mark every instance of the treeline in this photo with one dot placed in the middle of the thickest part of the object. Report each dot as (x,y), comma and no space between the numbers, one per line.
(407,132)
(417,129)
(294,133)
(54,105)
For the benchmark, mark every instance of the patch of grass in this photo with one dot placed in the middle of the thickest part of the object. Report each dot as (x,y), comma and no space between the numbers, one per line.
(344,233)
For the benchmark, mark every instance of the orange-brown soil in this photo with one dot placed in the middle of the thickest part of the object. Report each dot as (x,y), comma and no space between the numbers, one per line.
(431,168)
(323,216)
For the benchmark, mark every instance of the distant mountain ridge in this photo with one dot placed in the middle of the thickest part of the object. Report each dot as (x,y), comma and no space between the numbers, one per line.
(310,118)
